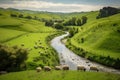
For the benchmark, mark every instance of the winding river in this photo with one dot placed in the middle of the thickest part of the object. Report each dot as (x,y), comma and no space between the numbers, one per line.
(69,58)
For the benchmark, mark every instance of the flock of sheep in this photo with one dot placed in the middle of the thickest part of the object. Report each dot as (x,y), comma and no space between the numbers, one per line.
(66,67)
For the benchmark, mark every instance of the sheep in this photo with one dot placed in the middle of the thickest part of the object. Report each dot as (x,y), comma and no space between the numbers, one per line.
(65,67)
(38,69)
(93,68)
(57,67)
(81,68)
(47,68)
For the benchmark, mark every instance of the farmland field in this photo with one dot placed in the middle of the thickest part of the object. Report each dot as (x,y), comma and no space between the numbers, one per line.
(26,43)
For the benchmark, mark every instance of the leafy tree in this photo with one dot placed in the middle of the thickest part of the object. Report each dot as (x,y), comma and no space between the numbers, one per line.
(49,23)
(84,19)
(13,15)
(79,22)
(107,11)
(28,17)
(73,21)
(58,26)
(20,16)
(12,58)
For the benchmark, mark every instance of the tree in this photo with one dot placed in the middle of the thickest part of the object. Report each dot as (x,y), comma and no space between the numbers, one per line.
(73,21)
(84,19)
(107,11)
(20,16)
(12,58)
(13,15)
(58,26)
(28,17)
(79,22)
(49,23)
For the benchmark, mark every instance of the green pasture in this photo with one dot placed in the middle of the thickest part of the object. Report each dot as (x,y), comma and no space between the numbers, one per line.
(59,75)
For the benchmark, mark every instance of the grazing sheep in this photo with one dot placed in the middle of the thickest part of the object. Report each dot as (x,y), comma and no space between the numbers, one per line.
(81,68)
(3,72)
(47,68)
(38,69)
(93,68)
(57,67)
(65,67)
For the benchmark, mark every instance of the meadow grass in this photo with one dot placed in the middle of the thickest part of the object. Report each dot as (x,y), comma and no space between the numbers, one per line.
(59,75)
(100,37)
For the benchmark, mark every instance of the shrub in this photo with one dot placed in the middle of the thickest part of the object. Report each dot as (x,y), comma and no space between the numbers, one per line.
(20,16)
(13,15)
(58,26)
(12,58)
(49,23)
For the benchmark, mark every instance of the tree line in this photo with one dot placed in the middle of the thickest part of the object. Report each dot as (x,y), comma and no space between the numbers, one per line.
(74,21)
(107,11)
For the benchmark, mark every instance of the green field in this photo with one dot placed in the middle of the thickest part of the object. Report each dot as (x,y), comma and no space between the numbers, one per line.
(59,75)
(32,33)
(101,38)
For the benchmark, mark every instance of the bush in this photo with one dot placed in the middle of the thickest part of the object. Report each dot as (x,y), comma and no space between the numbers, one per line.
(49,23)
(12,58)
(20,16)
(28,17)
(58,26)
(13,15)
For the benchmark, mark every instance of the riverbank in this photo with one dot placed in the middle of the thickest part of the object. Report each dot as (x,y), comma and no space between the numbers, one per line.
(69,58)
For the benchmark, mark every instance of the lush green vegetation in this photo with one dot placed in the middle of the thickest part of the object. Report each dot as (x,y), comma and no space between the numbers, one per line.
(59,75)
(107,11)
(98,40)
(18,29)
(12,58)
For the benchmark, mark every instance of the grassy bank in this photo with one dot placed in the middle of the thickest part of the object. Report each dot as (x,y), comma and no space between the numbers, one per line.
(59,75)
(99,41)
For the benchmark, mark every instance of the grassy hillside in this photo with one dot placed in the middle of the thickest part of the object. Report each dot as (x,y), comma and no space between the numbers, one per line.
(12,34)
(98,37)
(30,34)
(40,52)
(59,75)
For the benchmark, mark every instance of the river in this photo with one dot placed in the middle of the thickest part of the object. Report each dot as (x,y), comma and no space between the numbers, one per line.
(69,58)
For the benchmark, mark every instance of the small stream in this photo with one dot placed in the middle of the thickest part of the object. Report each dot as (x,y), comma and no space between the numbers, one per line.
(69,58)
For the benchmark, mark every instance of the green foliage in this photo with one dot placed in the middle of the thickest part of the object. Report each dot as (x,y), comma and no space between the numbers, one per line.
(76,22)
(58,26)
(28,17)
(13,15)
(73,31)
(107,11)
(49,23)
(20,15)
(99,41)
(84,19)
(12,58)
(79,23)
